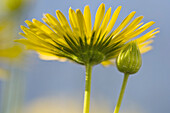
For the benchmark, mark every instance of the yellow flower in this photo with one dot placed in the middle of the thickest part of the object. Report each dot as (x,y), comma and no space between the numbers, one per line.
(81,43)
(7,6)
(7,48)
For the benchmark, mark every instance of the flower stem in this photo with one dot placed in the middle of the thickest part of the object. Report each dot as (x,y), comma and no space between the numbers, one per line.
(121,93)
(87,89)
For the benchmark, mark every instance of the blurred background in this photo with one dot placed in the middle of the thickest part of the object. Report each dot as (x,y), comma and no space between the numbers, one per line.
(58,87)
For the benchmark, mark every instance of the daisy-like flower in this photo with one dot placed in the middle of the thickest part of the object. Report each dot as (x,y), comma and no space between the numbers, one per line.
(83,44)
(80,42)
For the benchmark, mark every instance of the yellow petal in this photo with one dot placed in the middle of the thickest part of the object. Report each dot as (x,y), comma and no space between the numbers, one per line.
(25,30)
(105,22)
(132,26)
(113,19)
(140,30)
(107,63)
(147,36)
(52,20)
(73,21)
(87,19)
(48,56)
(63,21)
(27,42)
(146,49)
(36,39)
(81,23)
(145,43)
(99,16)
(43,27)
(47,33)
(30,24)
(129,29)
(123,24)
(41,49)
(54,24)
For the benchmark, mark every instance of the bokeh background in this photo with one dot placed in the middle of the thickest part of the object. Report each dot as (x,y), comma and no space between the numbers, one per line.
(60,85)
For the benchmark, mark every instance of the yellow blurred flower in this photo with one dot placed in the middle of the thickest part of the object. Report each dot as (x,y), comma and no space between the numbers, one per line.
(81,43)
(9,51)
(7,48)
(13,5)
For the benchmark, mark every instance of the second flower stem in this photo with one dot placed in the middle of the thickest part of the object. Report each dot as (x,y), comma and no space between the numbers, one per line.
(87,89)
(126,76)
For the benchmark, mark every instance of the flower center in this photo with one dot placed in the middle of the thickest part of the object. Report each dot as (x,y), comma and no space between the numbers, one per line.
(91,57)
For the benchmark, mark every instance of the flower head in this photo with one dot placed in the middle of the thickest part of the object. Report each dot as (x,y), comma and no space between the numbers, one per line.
(129,59)
(80,42)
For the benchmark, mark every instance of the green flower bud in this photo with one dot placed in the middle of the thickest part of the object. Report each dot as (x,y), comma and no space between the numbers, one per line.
(129,59)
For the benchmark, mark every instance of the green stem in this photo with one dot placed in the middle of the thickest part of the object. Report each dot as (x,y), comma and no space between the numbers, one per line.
(87,89)
(121,93)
